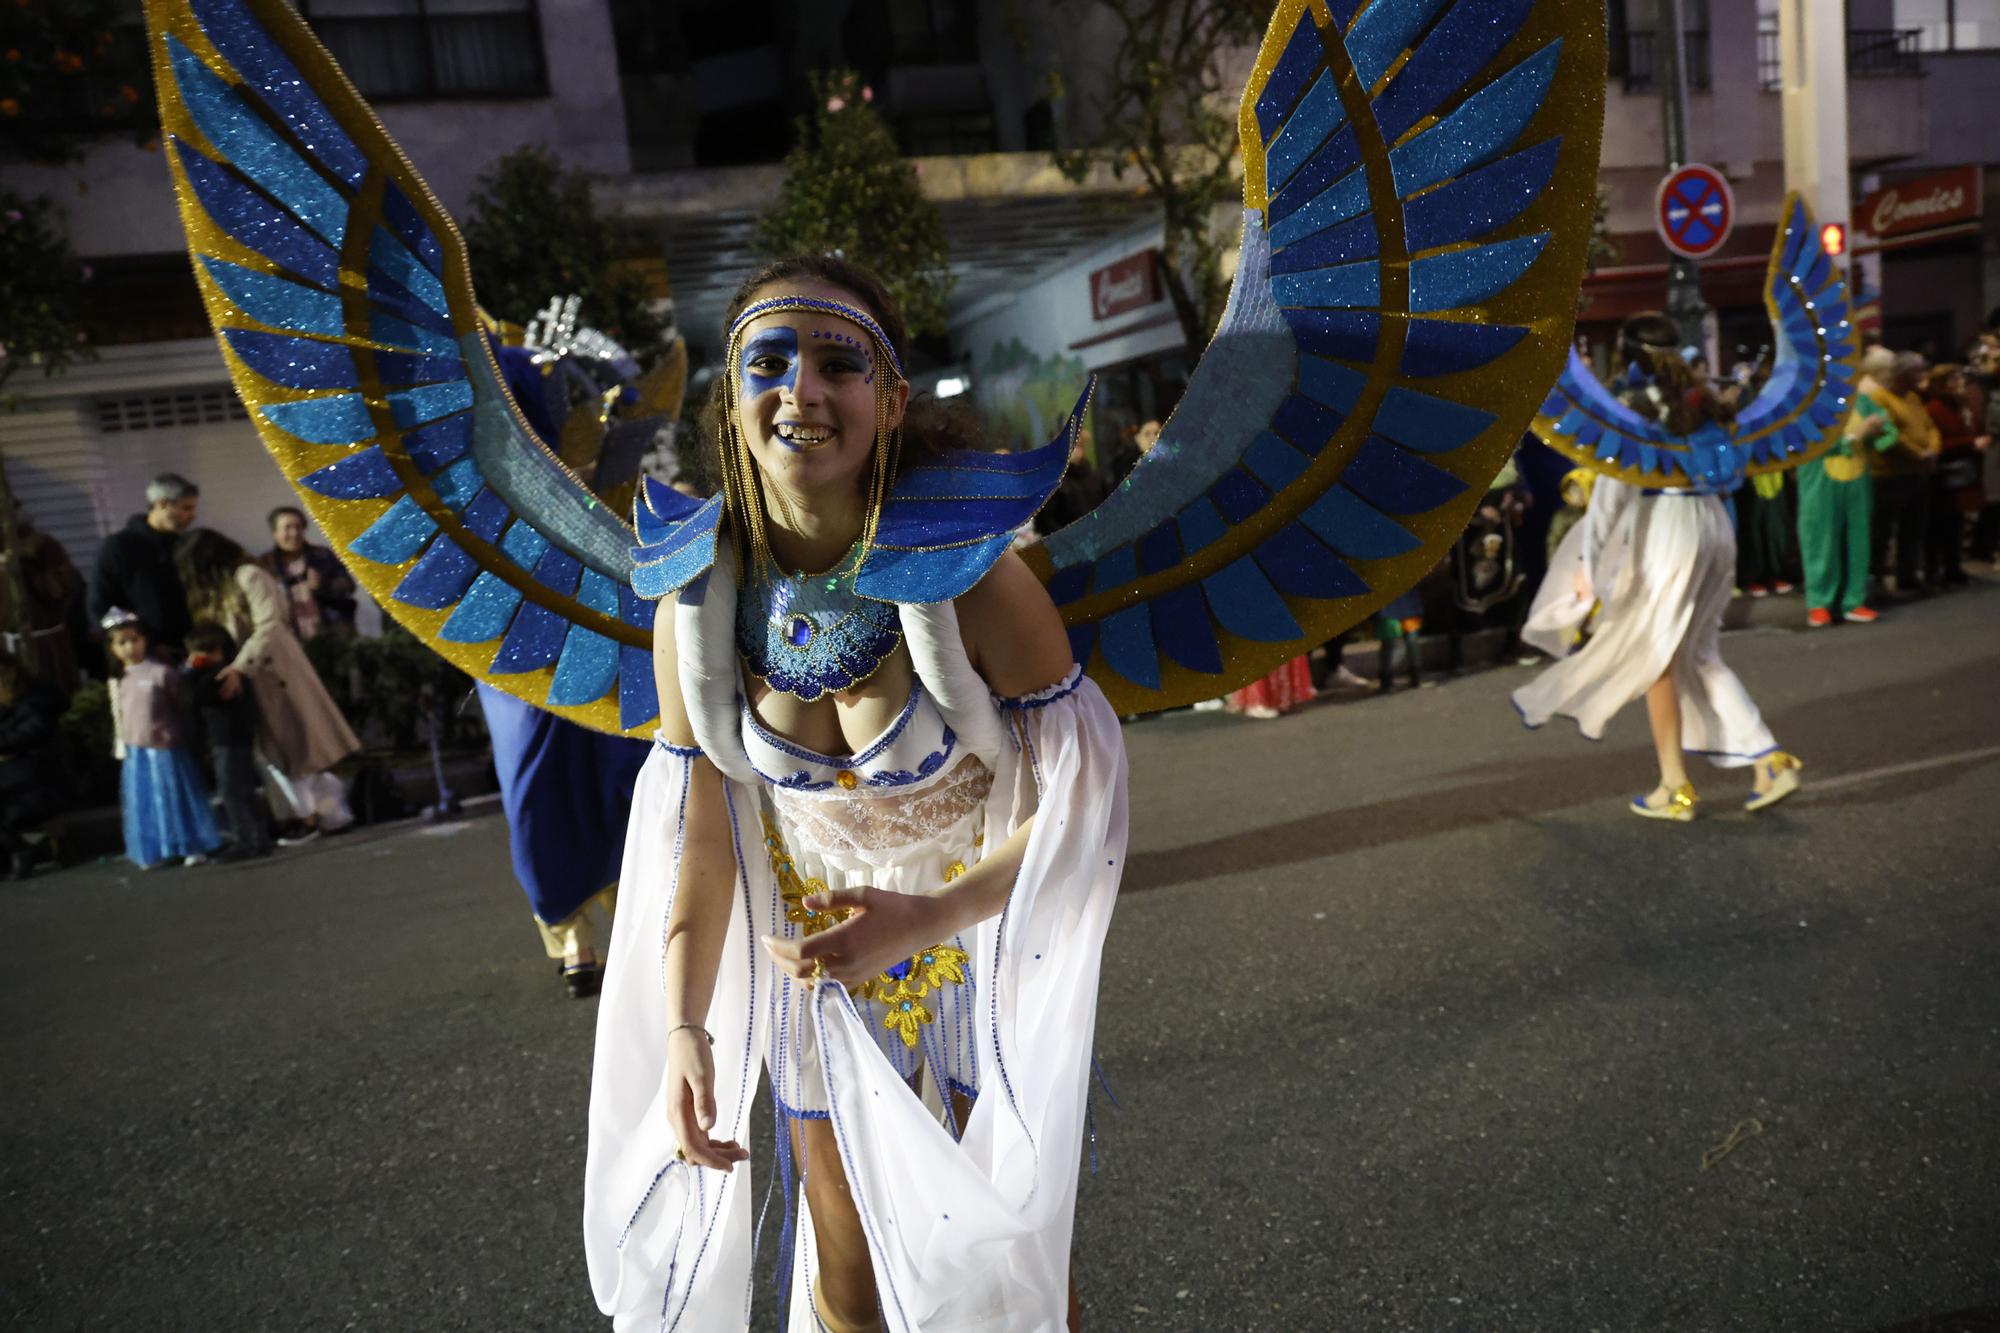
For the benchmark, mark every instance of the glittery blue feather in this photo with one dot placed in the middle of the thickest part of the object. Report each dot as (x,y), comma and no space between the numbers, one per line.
(296,363)
(363,476)
(241,39)
(340,419)
(532,642)
(248,142)
(255,220)
(1245,604)
(396,536)
(483,613)
(1482,127)
(277,302)
(439,578)
(1126,640)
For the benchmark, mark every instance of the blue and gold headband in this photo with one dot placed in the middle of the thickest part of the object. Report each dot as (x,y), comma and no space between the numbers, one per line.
(819,305)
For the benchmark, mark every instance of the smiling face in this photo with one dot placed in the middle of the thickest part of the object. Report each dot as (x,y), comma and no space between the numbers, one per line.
(807,400)
(288,530)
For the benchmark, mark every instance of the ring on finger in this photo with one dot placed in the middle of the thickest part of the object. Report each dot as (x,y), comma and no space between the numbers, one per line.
(819,969)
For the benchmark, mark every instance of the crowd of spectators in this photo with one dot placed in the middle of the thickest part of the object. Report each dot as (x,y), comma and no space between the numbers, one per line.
(1890,514)
(204,680)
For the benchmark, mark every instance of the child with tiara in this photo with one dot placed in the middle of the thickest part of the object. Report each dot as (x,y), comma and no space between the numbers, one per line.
(159,789)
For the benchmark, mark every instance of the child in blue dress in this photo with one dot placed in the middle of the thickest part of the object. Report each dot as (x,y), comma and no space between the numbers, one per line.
(160,790)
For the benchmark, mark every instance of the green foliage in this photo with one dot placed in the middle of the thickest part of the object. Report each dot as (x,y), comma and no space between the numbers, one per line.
(41,290)
(71,70)
(534,233)
(1169,118)
(848,188)
(83,744)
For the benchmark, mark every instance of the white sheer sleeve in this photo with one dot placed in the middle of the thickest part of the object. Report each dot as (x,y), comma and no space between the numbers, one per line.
(975,1234)
(669,1244)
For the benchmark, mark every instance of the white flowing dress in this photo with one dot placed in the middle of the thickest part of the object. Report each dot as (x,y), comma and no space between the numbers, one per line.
(965,1233)
(1663,564)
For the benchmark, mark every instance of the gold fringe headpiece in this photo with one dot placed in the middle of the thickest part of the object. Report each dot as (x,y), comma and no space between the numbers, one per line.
(743,498)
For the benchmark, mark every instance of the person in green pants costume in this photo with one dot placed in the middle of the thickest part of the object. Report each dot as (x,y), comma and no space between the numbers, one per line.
(1835,504)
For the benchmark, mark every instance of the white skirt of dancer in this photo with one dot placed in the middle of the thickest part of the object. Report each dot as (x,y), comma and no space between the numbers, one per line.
(1663,567)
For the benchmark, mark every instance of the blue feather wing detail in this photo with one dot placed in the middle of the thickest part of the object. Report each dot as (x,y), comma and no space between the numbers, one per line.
(1417,198)
(341,292)
(1793,419)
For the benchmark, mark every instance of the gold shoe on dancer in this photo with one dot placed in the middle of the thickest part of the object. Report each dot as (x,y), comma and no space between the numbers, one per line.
(1679,805)
(1781,772)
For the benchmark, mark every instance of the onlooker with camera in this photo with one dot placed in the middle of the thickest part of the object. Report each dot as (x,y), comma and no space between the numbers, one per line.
(319,592)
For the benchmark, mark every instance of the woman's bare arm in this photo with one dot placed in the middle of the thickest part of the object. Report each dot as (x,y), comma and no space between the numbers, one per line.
(705,883)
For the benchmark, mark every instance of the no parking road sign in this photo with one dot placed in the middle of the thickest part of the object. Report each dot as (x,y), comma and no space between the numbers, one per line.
(1694,211)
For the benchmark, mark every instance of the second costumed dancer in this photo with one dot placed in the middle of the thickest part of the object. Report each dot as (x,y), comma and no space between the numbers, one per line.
(1654,557)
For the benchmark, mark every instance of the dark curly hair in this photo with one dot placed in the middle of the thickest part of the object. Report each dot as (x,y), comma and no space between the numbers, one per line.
(931,427)
(207,562)
(1651,341)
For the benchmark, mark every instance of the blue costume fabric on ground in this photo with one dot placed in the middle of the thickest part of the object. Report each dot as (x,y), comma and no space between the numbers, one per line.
(568,795)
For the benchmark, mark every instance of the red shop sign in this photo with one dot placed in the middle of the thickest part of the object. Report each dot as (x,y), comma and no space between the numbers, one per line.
(1924,204)
(1129,284)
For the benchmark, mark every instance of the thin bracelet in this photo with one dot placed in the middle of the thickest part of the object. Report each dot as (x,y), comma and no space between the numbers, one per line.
(697,1027)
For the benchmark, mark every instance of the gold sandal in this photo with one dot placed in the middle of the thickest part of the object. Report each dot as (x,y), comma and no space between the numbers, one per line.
(1783,771)
(1680,805)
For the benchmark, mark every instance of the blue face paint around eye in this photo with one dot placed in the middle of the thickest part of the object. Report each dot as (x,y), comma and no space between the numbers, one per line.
(780,343)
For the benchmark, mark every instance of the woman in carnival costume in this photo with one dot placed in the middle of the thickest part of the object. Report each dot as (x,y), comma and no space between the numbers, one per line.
(1659,566)
(875,846)
(879,836)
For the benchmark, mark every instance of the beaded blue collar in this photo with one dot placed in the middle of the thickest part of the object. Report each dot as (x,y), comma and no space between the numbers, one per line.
(810,635)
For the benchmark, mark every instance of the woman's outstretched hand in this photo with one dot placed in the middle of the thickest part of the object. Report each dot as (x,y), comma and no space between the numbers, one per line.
(691,1102)
(881,930)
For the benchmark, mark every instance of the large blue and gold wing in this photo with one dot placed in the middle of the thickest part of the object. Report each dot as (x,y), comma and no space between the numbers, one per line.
(1793,419)
(341,295)
(1419,184)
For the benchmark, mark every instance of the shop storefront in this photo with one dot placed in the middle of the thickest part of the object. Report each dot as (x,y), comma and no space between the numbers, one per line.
(1932,240)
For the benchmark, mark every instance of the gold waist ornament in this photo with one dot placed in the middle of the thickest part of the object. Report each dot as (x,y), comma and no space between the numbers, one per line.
(904,987)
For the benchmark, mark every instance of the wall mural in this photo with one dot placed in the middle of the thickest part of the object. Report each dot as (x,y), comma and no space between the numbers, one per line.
(1023,395)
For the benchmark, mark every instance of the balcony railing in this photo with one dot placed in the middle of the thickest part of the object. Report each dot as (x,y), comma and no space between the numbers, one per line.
(1871,53)
(1641,64)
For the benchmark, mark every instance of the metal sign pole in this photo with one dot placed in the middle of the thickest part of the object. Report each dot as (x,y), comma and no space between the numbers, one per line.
(1684,304)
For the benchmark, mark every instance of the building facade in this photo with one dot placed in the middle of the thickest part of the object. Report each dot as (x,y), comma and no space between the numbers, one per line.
(1920,102)
(682,111)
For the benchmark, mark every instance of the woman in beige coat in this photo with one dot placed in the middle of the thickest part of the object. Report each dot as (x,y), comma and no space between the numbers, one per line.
(301,733)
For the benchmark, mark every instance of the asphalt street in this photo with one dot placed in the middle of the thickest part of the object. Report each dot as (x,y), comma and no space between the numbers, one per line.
(1410,1026)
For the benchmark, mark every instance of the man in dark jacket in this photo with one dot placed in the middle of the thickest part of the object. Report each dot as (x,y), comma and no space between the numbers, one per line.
(135,566)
